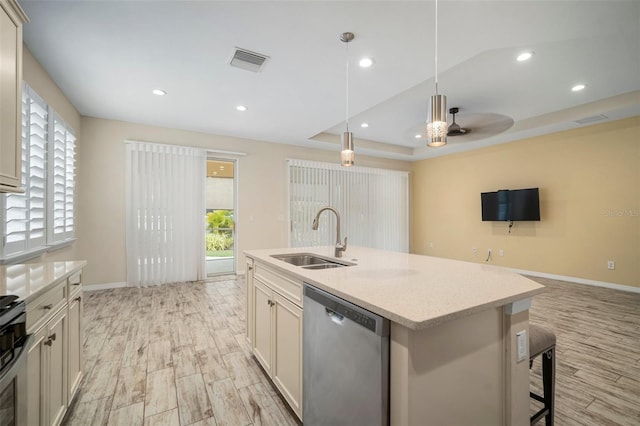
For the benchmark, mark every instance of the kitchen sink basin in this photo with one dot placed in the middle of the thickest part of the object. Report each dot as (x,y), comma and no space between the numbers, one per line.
(310,261)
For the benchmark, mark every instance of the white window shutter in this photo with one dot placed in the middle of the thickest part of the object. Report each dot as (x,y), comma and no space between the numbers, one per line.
(24,214)
(61,181)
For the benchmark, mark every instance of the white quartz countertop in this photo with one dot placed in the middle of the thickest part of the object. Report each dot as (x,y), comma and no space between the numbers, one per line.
(412,290)
(29,280)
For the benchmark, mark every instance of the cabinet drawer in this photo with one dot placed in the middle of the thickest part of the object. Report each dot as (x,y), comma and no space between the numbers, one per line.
(283,285)
(43,307)
(75,284)
(75,279)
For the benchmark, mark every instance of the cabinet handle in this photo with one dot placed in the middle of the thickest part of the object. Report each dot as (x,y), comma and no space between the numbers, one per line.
(78,283)
(52,337)
(249,268)
(79,298)
(47,307)
(48,342)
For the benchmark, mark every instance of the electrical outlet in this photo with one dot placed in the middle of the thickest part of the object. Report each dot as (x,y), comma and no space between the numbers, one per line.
(521,343)
(611,264)
(430,245)
(501,252)
(474,250)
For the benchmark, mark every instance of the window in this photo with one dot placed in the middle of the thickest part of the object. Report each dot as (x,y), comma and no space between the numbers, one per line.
(61,182)
(373,205)
(42,216)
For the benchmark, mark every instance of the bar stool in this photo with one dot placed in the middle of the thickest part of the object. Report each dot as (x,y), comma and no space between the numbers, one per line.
(543,342)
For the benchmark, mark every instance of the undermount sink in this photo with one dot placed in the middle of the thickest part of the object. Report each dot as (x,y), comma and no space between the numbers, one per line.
(310,261)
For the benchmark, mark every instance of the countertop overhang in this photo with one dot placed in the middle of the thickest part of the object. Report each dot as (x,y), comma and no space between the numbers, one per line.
(29,280)
(412,290)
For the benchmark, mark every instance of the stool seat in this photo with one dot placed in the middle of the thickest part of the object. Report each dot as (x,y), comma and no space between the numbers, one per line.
(540,340)
(543,342)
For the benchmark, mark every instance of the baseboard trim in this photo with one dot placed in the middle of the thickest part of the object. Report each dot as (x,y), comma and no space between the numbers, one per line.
(105,286)
(577,280)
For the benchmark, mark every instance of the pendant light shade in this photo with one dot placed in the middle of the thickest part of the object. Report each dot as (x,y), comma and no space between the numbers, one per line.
(437,126)
(437,123)
(347,154)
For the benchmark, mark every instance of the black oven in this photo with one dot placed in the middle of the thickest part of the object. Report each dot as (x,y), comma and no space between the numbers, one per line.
(14,347)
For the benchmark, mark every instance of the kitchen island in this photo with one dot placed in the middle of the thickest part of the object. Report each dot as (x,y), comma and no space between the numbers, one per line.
(453,334)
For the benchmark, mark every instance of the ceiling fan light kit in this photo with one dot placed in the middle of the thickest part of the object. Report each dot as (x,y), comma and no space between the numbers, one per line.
(347,154)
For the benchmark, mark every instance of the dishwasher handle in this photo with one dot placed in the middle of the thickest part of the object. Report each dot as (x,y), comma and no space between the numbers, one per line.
(335,317)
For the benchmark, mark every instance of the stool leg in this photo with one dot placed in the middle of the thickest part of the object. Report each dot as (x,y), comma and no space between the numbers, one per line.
(549,383)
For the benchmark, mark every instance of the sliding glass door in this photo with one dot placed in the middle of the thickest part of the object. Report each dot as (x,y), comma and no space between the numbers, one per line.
(220,205)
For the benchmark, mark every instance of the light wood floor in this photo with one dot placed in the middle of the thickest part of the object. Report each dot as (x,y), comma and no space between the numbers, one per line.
(176,355)
(598,352)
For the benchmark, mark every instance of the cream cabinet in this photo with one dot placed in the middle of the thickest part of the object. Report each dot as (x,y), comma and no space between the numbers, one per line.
(76,336)
(54,362)
(249,299)
(11,19)
(277,330)
(47,372)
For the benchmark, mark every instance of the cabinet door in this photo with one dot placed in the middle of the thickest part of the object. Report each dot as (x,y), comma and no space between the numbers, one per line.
(287,366)
(57,348)
(262,324)
(36,379)
(249,301)
(75,345)
(10,98)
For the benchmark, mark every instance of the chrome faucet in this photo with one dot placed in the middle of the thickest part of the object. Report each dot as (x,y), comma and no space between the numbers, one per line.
(339,246)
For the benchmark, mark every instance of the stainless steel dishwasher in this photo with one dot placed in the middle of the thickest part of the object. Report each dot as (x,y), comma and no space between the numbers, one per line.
(346,362)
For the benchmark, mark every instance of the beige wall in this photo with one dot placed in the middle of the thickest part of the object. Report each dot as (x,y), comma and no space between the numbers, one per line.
(261,178)
(589,180)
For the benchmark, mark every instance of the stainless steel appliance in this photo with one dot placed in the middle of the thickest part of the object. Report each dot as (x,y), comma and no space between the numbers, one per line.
(346,362)
(14,345)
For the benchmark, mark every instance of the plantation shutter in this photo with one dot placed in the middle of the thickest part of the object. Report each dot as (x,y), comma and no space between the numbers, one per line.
(61,181)
(24,214)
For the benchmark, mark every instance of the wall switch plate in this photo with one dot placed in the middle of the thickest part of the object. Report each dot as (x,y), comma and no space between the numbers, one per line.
(611,264)
(521,342)
(474,250)
(501,252)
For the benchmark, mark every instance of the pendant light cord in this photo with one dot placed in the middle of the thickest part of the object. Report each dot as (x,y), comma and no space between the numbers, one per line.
(436,61)
(347,86)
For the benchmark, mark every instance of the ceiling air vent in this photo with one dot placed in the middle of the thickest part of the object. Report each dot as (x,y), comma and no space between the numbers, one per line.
(592,119)
(247,60)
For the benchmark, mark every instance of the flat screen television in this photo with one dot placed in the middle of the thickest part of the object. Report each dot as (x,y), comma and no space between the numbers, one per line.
(511,205)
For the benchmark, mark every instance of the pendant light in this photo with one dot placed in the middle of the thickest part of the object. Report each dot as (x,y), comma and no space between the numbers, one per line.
(437,124)
(347,154)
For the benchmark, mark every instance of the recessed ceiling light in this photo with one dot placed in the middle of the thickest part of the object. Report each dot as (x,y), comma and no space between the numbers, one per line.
(524,56)
(364,125)
(366,62)
(241,108)
(418,136)
(158,92)
(578,87)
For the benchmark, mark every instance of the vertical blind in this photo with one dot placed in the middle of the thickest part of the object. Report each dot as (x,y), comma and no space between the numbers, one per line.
(373,205)
(165,223)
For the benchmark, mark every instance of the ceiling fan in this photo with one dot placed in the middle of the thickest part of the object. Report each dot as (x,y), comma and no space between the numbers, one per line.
(454,128)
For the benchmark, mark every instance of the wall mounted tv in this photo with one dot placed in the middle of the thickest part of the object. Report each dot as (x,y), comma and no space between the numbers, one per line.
(511,205)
